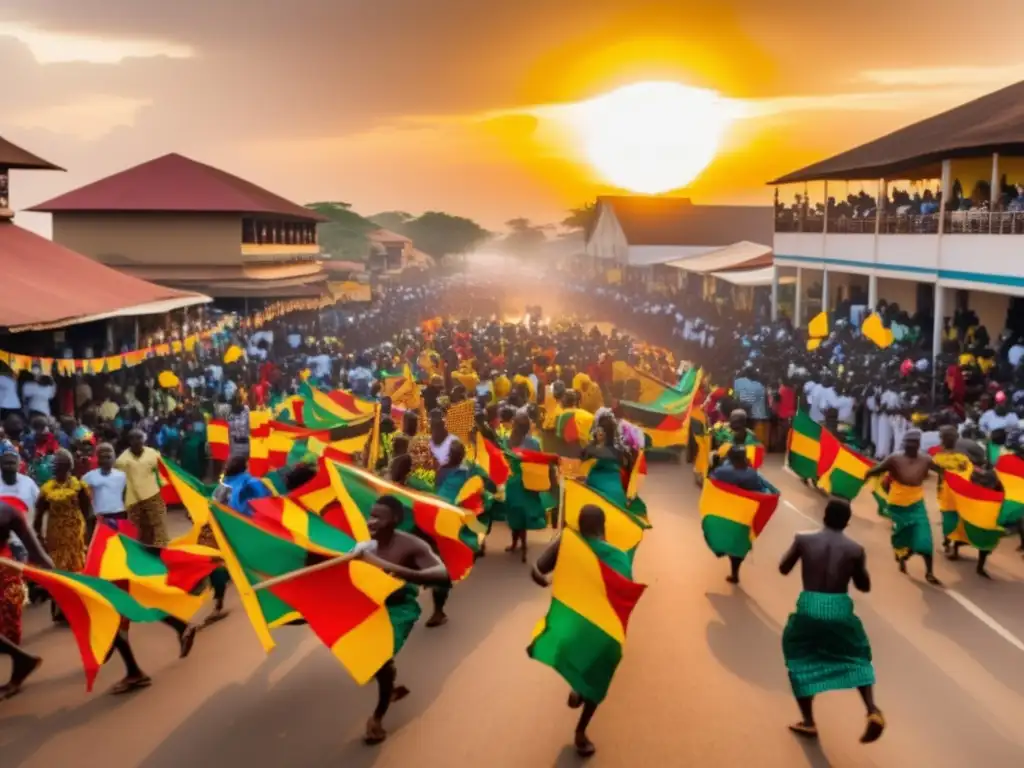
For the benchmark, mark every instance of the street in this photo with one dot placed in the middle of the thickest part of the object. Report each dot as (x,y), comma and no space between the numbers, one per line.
(703,681)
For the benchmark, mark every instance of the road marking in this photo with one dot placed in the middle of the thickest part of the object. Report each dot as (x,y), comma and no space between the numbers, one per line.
(800,512)
(987,620)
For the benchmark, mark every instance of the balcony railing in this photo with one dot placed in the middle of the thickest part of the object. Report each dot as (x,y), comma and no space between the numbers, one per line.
(957,223)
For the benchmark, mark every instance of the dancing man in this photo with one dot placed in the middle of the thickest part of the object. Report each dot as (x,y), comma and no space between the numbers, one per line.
(409,558)
(824,643)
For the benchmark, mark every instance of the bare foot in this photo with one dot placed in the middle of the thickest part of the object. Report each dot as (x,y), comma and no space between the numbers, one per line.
(807,730)
(931,579)
(216,616)
(953,555)
(732,579)
(19,675)
(375,733)
(584,746)
(875,728)
(439,619)
(903,565)
(575,700)
(983,573)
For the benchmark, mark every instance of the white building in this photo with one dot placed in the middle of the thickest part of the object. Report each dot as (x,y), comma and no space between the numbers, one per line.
(950,236)
(640,235)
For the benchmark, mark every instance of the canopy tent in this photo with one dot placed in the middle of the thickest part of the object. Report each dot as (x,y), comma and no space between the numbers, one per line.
(753,278)
(743,254)
(46,285)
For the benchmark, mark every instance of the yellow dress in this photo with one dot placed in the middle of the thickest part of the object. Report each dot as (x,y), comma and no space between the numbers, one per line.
(65,523)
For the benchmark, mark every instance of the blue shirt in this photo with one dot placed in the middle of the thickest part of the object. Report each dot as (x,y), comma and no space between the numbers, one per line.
(752,394)
(244,488)
(748,478)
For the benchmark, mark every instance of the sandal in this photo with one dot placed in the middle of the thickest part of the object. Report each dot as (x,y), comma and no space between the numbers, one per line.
(802,729)
(875,728)
(188,639)
(130,684)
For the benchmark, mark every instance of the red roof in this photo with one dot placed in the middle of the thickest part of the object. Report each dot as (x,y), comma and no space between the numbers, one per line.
(176,183)
(677,221)
(13,156)
(46,285)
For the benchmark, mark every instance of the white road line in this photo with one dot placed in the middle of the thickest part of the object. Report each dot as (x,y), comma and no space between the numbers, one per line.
(987,620)
(800,512)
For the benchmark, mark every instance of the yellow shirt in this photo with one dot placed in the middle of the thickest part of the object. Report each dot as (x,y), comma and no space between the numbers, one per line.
(141,472)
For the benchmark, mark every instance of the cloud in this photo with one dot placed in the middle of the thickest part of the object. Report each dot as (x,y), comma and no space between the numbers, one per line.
(88,118)
(945,76)
(64,47)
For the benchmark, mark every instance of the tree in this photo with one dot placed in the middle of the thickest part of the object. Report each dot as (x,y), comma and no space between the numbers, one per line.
(395,221)
(524,238)
(344,234)
(441,234)
(581,218)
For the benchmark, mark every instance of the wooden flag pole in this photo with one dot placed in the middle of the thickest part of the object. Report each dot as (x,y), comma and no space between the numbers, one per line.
(273,582)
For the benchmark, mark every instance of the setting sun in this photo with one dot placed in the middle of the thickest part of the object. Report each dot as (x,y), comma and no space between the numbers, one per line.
(651,137)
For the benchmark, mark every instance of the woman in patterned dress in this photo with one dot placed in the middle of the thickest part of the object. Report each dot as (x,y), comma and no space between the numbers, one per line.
(64,505)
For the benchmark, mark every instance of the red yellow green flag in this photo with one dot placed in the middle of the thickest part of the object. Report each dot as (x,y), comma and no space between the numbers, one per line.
(491,459)
(219,440)
(190,493)
(574,425)
(622,529)
(592,597)
(842,472)
(1010,470)
(979,510)
(804,448)
(732,518)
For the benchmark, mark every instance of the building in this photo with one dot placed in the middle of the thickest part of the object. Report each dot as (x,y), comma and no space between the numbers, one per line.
(184,224)
(45,285)
(660,240)
(947,235)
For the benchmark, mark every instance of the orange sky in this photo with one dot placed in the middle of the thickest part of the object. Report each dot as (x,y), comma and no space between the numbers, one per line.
(415,105)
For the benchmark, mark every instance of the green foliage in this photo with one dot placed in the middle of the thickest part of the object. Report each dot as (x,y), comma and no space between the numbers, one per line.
(394,221)
(441,234)
(524,237)
(581,218)
(344,236)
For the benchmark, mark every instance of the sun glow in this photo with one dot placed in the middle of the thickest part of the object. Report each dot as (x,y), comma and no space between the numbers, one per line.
(652,137)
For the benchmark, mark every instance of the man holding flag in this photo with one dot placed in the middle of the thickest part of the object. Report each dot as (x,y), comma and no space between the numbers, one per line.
(411,559)
(736,471)
(824,643)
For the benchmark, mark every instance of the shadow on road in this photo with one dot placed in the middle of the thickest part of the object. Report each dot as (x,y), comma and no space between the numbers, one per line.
(314,715)
(747,642)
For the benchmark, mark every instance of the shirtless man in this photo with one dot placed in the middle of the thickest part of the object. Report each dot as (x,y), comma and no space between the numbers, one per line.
(405,557)
(911,530)
(23,664)
(824,642)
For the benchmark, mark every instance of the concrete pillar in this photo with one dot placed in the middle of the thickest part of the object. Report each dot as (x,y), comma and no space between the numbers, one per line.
(775,292)
(798,315)
(872,292)
(824,290)
(937,335)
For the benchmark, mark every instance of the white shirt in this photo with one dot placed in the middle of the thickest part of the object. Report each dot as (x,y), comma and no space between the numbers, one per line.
(294,340)
(38,397)
(991,421)
(230,388)
(107,490)
(845,405)
(9,394)
(442,451)
(321,365)
(1015,355)
(891,400)
(25,489)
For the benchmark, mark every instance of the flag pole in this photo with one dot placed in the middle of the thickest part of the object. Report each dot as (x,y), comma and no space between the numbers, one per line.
(273,582)
(12,564)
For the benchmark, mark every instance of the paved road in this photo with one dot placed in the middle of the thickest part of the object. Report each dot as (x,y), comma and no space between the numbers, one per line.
(703,682)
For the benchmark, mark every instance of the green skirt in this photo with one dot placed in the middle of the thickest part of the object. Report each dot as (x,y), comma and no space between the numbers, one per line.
(825,646)
(911,530)
(404,611)
(525,510)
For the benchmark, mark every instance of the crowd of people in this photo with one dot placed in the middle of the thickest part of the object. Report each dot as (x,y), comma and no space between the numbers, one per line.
(70,462)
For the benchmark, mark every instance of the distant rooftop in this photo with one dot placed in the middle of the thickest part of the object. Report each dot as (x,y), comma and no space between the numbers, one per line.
(13,156)
(175,183)
(677,221)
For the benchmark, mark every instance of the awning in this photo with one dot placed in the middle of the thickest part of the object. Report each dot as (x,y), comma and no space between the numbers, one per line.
(753,278)
(45,285)
(736,256)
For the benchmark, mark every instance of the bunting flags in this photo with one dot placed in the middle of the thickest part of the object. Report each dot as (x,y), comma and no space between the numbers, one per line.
(841,472)
(584,631)
(732,518)
(804,447)
(622,529)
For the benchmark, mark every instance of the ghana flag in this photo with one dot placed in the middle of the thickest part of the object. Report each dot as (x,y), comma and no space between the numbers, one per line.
(803,453)
(288,443)
(219,439)
(192,494)
(286,519)
(622,529)
(259,432)
(534,467)
(491,459)
(841,472)
(164,578)
(637,473)
(342,603)
(447,526)
(978,511)
(732,518)
(592,597)
(702,441)
(574,425)
(1010,470)
(93,608)
(755,450)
